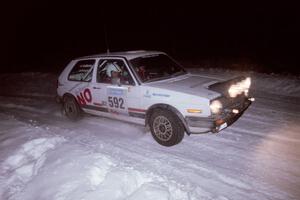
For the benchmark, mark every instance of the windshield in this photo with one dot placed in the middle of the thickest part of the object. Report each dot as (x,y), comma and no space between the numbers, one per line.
(156,67)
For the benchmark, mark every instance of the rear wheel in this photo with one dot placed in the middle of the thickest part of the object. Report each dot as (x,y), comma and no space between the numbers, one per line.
(71,108)
(166,128)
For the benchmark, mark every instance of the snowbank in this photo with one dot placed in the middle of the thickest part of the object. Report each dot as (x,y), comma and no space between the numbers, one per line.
(43,85)
(36,84)
(40,160)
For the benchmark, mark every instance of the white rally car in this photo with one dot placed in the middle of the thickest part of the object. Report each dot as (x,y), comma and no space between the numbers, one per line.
(150,88)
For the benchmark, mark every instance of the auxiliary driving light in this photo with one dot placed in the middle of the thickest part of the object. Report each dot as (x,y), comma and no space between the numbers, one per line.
(235,111)
(240,87)
(252,99)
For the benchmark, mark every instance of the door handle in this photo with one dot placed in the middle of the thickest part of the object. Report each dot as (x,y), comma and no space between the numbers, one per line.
(96,88)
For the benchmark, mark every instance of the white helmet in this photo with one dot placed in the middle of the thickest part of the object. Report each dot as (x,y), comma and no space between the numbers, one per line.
(112,67)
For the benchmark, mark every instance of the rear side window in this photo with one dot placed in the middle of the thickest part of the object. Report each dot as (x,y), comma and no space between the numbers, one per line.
(82,71)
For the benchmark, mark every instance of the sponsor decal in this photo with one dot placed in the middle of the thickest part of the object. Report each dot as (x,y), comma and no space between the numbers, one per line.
(116,92)
(87,95)
(116,99)
(115,102)
(160,95)
(84,97)
(147,95)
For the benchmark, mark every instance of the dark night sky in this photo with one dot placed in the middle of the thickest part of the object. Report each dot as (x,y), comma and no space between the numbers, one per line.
(44,35)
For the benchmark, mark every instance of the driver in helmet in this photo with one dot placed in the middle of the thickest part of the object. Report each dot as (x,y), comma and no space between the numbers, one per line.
(113,71)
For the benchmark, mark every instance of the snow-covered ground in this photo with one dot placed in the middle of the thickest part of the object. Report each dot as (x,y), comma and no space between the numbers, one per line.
(45,156)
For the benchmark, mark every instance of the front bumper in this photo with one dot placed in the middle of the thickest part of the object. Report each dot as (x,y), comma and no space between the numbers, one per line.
(218,122)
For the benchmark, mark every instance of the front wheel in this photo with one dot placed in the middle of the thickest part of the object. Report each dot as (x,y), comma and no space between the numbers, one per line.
(166,128)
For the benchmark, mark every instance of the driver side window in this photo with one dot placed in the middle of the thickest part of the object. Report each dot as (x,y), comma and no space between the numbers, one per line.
(113,71)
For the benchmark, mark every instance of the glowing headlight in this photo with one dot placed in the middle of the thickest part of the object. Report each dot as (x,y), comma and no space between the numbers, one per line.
(234,90)
(215,106)
(240,87)
(247,82)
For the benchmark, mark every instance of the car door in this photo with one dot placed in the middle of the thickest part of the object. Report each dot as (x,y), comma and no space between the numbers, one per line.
(79,80)
(117,100)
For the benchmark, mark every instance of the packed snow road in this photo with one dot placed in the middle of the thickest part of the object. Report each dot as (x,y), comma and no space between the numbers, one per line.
(45,156)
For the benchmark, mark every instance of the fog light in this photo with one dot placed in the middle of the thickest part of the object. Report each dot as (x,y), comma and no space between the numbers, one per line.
(252,99)
(235,111)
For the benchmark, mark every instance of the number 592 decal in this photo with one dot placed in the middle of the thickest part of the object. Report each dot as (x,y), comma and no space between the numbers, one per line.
(116,102)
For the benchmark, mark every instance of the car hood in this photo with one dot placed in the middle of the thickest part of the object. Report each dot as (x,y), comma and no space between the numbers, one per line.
(189,84)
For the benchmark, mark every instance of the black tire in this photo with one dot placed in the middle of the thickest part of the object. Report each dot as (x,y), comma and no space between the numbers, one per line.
(71,108)
(166,127)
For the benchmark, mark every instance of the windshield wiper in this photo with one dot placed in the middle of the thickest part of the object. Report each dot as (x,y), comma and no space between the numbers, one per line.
(166,77)
(181,72)
(157,79)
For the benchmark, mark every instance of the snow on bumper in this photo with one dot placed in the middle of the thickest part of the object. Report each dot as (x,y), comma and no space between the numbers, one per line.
(218,122)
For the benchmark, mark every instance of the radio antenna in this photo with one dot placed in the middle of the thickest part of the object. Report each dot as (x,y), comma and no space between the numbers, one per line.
(106,38)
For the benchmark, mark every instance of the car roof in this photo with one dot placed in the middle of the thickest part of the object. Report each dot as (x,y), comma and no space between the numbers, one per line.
(127,54)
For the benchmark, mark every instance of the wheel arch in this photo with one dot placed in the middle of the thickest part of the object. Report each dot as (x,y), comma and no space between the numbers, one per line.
(67,94)
(169,108)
